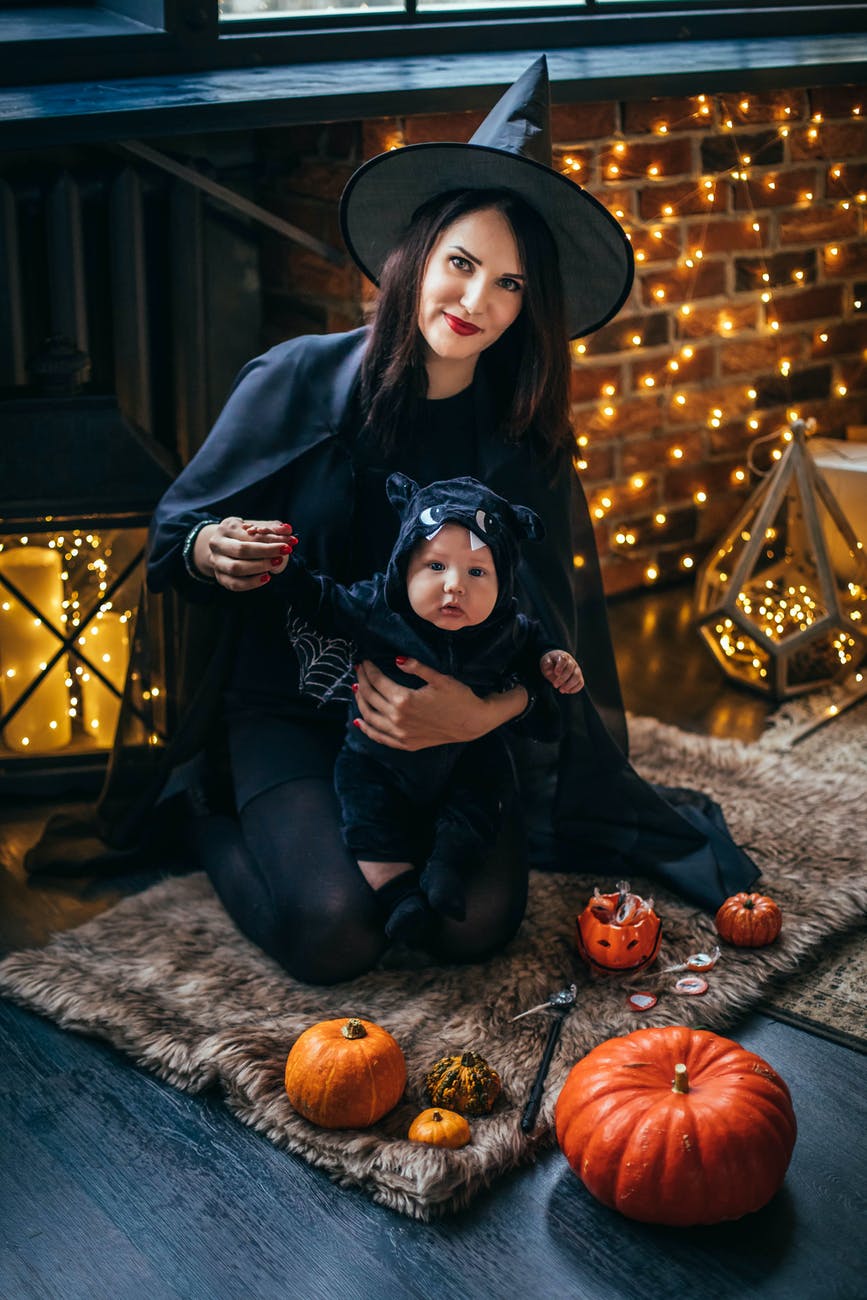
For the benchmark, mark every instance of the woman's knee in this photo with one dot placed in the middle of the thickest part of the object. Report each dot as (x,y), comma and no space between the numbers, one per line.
(337,941)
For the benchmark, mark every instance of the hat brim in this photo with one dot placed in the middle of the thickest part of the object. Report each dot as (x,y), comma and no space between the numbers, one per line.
(596,259)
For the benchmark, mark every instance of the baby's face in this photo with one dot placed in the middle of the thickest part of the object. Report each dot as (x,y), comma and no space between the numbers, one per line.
(448,583)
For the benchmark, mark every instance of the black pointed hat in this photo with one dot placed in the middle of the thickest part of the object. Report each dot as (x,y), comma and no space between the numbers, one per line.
(511,150)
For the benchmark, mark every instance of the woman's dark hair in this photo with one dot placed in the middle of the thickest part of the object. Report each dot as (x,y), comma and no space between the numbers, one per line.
(528,366)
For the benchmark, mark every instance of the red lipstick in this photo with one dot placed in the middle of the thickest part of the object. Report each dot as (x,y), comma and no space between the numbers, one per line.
(463,327)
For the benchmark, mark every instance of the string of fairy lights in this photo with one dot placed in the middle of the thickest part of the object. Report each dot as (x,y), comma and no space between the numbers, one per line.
(53,586)
(667,379)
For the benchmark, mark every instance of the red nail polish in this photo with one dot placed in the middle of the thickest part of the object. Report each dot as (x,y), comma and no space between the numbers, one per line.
(287,550)
(266,577)
(400,659)
(356,722)
(276,560)
(355,686)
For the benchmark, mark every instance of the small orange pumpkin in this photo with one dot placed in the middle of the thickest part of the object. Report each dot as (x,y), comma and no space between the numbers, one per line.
(611,945)
(749,920)
(345,1073)
(441,1128)
(676,1126)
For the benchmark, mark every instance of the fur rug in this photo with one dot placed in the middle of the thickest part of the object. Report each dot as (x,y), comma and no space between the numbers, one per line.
(166,978)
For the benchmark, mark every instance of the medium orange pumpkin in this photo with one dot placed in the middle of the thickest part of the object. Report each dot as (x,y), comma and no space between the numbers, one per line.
(345,1073)
(608,945)
(749,920)
(440,1128)
(676,1126)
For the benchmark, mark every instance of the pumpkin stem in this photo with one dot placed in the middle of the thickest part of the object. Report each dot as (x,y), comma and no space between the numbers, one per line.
(748,902)
(681,1079)
(353,1029)
(437,1117)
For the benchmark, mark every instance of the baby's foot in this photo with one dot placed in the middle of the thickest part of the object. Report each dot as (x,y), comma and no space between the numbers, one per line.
(409,920)
(444,890)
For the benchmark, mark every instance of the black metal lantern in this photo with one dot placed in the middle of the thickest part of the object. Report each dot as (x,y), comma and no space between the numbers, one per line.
(78,487)
(782,600)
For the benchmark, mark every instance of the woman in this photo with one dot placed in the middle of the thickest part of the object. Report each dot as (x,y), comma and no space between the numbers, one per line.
(464,372)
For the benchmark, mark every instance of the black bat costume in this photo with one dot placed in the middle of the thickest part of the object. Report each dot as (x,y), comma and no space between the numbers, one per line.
(411,806)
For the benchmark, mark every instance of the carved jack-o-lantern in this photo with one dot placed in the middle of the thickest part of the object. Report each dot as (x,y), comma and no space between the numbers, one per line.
(618,932)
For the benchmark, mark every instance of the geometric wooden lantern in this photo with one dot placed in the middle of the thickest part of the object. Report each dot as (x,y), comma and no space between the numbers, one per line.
(782,600)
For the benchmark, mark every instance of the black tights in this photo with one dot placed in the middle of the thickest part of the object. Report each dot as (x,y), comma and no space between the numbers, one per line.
(285,877)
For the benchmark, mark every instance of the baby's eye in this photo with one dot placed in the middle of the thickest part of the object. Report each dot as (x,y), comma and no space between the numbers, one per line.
(437,566)
(460,263)
(510,285)
(476,573)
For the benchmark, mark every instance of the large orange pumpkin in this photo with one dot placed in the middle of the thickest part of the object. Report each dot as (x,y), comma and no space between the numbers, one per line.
(749,920)
(345,1073)
(676,1126)
(606,944)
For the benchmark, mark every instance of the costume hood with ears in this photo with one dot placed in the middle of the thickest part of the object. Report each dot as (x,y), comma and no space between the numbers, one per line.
(489,518)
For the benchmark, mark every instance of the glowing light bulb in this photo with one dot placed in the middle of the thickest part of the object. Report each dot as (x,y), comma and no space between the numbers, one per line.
(700,498)
(659,518)
(687,561)
(637,482)
(677,453)
(651,573)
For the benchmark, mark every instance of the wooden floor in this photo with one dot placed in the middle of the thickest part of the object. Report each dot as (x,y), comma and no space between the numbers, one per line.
(114,1185)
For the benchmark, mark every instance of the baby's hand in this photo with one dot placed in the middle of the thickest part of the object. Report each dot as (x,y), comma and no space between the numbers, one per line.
(560,669)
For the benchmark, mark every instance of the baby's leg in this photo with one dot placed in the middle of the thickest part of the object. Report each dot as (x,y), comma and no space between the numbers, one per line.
(467,824)
(379,829)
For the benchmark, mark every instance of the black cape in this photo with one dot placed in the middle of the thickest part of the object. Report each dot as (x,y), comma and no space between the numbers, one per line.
(294,406)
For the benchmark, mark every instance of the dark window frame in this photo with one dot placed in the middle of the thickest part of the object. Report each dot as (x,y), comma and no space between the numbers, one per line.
(176,36)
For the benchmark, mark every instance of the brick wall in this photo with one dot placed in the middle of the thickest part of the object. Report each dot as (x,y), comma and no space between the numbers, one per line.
(747,217)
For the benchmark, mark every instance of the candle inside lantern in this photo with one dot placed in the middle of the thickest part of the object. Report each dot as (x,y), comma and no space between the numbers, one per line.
(26,644)
(106,644)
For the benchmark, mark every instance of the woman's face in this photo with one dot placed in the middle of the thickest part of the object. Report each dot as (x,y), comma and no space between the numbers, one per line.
(472,290)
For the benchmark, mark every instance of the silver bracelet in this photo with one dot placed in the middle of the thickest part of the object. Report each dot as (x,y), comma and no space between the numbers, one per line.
(187,553)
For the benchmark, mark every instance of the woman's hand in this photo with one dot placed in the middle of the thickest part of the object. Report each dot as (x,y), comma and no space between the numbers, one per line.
(243,553)
(442,712)
(560,669)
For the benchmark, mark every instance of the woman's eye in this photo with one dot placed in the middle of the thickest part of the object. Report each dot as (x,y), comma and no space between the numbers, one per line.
(512,286)
(460,263)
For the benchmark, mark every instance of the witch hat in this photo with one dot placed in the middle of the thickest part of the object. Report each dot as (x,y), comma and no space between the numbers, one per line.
(511,150)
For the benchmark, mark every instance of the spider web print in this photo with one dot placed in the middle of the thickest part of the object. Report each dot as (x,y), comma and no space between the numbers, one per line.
(325,664)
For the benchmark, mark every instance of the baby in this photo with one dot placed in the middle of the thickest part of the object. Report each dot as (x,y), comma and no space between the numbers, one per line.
(411,819)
